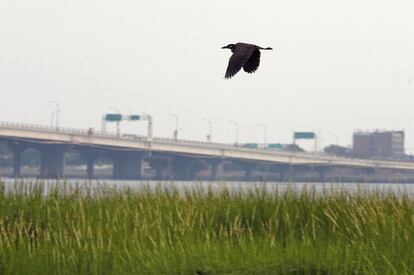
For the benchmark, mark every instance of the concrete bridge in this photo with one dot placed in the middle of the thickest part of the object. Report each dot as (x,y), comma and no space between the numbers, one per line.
(183,157)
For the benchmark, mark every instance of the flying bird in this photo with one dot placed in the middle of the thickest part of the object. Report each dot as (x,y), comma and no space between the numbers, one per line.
(244,55)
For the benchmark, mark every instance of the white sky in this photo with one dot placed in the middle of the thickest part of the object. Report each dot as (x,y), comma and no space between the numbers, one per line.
(337,65)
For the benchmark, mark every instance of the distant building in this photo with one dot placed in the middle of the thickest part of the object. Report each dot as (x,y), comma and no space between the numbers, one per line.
(383,144)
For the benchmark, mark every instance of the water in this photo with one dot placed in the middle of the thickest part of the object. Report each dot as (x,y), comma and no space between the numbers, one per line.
(91,187)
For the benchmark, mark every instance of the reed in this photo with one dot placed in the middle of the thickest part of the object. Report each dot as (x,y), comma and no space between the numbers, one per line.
(205,231)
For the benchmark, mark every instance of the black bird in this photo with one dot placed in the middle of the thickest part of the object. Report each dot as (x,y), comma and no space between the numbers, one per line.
(244,55)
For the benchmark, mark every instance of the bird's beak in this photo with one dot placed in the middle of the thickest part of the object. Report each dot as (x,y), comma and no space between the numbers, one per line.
(225,47)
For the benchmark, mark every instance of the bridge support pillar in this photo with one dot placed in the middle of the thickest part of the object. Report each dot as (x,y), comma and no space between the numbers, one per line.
(89,156)
(185,168)
(249,172)
(17,150)
(248,168)
(127,165)
(370,174)
(216,168)
(52,161)
(283,171)
(181,168)
(160,164)
(322,172)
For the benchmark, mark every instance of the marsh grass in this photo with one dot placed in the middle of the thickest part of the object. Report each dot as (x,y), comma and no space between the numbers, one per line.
(205,231)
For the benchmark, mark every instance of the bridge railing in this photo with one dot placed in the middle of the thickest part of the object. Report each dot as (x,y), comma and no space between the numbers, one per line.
(43,128)
(304,155)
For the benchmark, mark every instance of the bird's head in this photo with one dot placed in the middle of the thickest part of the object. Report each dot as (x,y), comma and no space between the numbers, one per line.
(229,46)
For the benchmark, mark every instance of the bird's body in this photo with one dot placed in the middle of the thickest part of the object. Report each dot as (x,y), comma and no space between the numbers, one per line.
(246,56)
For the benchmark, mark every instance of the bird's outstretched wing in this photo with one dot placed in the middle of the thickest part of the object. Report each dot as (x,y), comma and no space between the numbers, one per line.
(240,56)
(253,62)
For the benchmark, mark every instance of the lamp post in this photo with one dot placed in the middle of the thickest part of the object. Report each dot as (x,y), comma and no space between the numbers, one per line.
(318,140)
(293,134)
(209,129)
(148,118)
(175,134)
(55,113)
(237,131)
(52,118)
(265,133)
(118,130)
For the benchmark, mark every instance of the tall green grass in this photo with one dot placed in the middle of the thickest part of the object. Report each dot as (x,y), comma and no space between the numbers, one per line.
(203,231)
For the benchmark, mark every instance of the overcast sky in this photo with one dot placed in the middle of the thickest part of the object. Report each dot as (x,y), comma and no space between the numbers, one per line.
(337,65)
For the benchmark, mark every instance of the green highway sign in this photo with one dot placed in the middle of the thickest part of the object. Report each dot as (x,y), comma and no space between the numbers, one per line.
(251,145)
(113,117)
(275,146)
(304,135)
(134,117)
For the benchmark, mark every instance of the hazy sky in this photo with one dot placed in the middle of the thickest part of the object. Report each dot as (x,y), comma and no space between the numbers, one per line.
(337,65)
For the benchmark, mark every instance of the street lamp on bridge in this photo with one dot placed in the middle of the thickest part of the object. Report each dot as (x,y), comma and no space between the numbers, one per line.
(176,126)
(293,134)
(209,129)
(318,141)
(237,131)
(55,114)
